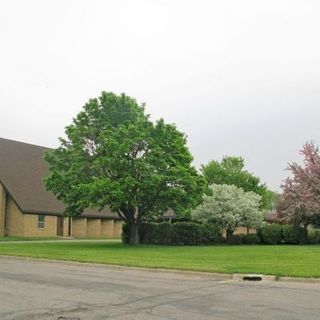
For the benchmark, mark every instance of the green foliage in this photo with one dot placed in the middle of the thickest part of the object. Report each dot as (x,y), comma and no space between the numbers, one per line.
(283,234)
(179,233)
(314,236)
(231,171)
(244,239)
(271,234)
(251,239)
(271,199)
(294,234)
(114,156)
(235,239)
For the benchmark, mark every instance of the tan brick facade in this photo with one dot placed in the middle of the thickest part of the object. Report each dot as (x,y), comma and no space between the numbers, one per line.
(107,228)
(93,228)
(13,222)
(2,209)
(79,227)
(14,219)
(31,226)
(244,230)
(117,230)
(66,227)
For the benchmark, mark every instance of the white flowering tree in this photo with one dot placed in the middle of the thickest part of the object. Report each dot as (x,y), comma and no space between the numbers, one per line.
(230,207)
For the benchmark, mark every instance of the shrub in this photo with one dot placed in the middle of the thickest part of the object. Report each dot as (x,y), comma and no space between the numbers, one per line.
(271,234)
(154,233)
(211,233)
(251,239)
(235,239)
(283,234)
(193,233)
(179,233)
(244,239)
(314,236)
(294,234)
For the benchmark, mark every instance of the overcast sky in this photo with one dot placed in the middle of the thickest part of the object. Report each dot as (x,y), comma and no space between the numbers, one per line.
(238,77)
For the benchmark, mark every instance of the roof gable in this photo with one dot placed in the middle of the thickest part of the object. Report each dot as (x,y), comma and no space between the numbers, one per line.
(22,169)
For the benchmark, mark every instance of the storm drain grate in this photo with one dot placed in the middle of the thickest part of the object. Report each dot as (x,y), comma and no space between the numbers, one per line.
(252,278)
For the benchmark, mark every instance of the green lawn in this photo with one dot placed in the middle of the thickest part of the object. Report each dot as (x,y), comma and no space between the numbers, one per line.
(26,238)
(296,261)
(10,238)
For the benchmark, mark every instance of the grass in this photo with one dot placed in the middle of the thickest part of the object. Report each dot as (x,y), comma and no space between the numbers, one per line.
(10,238)
(26,238)
(295,261)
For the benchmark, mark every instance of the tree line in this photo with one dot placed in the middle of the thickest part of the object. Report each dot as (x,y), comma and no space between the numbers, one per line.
(113,155)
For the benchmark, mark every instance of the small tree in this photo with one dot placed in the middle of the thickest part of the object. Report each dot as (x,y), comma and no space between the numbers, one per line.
(230,170)
(230,207)
(114,156)
(300,200)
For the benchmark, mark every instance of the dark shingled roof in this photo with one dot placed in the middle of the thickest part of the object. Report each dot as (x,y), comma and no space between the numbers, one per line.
(22,169)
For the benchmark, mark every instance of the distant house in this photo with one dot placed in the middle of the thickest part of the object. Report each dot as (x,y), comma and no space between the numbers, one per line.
(272,216)
(27,209)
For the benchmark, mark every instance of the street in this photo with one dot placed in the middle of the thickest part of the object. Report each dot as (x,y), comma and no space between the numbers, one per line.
(63,291)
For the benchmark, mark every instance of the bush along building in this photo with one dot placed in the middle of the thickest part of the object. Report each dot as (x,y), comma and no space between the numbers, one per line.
(27,209)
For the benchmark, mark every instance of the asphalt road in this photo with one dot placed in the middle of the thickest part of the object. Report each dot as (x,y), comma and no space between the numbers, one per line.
(59,291)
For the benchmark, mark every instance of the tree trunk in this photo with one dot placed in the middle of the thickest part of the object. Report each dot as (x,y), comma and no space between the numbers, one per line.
(134,236)
(229,234)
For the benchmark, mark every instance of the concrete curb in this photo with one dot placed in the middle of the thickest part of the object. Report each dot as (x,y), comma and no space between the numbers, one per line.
(248,277)
(218,276)
(298,279)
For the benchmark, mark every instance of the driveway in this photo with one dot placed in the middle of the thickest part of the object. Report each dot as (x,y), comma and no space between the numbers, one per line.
(62,291)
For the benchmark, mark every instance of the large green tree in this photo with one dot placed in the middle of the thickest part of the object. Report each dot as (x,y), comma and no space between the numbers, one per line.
(231,170)
(115,156)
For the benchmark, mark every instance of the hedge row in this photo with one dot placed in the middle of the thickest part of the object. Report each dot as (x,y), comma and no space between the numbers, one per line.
(314,237)
(191,233)
(283,234)
(180,233)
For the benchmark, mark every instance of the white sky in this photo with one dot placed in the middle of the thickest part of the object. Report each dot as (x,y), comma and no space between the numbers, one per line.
(238,77)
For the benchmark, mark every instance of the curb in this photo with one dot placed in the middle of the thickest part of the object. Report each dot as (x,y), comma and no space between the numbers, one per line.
(298,279)
(218,276)
(254,277)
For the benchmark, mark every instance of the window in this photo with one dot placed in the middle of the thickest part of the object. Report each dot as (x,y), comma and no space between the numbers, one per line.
(41,221)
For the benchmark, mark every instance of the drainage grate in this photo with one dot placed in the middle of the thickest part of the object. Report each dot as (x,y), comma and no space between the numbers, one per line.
(252,278)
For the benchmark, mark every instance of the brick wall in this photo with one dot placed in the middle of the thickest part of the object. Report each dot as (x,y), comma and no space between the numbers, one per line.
(117,230)
(2,209)
(66,227)
(15,219)
(31,226)
(107,228)
(244,230)
(79,227)
(93,228)
(22,224)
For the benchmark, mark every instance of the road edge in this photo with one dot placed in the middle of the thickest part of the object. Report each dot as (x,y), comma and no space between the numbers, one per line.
(215,275)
